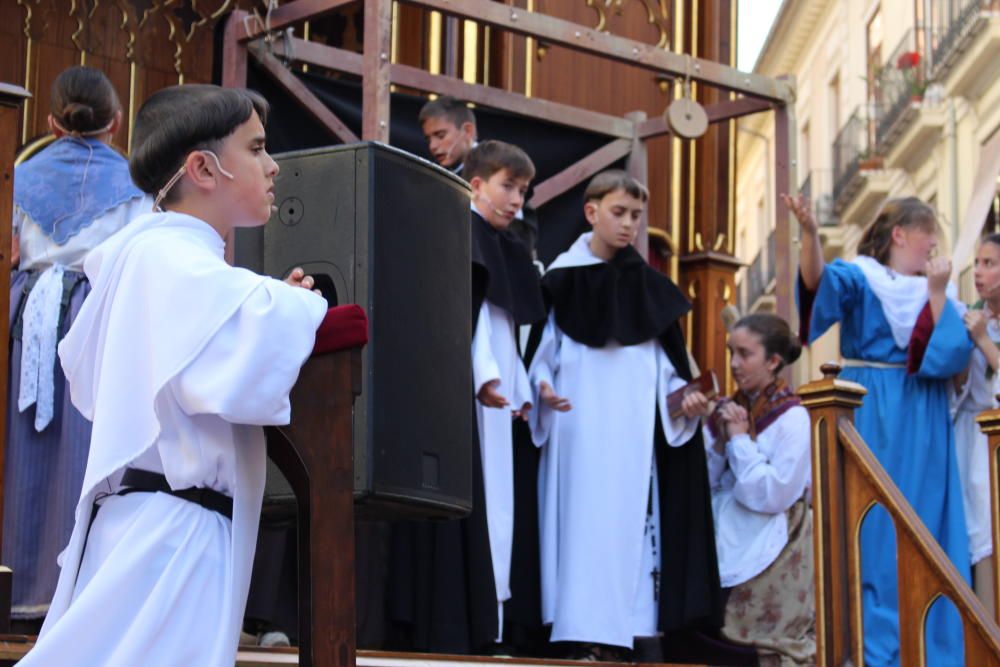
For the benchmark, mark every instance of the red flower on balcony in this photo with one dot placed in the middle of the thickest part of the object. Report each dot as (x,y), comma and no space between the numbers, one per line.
(908,60)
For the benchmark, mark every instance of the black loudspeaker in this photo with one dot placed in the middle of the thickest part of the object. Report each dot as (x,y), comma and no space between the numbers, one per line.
(389,231)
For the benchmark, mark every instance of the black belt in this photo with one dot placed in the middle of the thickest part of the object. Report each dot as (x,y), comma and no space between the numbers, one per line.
(138,481)
(143,480)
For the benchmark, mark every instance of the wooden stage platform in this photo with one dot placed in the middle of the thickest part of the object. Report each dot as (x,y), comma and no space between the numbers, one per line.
(13,648)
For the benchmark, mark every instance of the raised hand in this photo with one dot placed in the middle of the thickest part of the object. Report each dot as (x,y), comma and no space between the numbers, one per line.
(938,273)
(802,210)
(551,399)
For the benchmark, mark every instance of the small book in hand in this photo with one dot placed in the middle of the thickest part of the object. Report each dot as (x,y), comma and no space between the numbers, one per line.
(707,384)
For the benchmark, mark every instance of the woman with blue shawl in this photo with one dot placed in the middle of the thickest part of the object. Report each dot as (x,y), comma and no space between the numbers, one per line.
(902,337)
(67,200)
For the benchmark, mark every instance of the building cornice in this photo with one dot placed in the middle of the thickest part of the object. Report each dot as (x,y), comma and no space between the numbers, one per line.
(790,36)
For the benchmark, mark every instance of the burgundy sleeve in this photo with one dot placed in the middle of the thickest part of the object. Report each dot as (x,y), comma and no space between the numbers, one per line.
(919,340)
(806,299)
(342,328)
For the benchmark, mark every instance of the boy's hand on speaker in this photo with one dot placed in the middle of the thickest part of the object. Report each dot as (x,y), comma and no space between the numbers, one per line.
(298,278)
(490,397)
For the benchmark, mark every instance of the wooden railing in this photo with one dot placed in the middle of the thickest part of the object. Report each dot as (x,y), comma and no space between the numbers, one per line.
(848,481)
(989,422)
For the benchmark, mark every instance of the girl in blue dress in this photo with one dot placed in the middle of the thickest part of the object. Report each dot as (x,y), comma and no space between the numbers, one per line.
(902,338)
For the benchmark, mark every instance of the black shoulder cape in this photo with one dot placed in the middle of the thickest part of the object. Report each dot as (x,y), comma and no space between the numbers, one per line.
(503,274)
(629,301)
(624,299)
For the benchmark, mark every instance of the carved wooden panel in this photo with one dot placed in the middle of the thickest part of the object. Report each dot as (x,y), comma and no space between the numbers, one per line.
(142,45)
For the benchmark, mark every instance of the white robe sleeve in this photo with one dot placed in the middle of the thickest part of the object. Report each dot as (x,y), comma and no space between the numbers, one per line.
(544,368)
(246,371)
(716,462)
(772,486)
(682,429)
(484,365)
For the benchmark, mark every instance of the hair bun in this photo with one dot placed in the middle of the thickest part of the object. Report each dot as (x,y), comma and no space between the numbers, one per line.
(78,117)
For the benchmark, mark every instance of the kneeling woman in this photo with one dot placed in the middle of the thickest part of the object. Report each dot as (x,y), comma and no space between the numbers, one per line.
(759,469)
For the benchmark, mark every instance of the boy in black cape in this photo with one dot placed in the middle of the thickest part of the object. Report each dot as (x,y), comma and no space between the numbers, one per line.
(449,582)
(627,539)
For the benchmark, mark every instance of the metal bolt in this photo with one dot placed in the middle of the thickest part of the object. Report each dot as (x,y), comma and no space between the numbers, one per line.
(381,123)
(513,16)
(697,67)
(746,82)
(635,50)
(577,34)
(384,56)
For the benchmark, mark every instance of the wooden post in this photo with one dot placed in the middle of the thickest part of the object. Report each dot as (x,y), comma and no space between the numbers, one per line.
(637,166)
(375,82)
(829,401)
(989,423)
(11,98)
(315,453)
(784,182)
(234,51)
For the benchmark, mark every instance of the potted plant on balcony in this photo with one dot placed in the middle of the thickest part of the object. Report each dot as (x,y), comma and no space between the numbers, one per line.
(908,63)
(869,161)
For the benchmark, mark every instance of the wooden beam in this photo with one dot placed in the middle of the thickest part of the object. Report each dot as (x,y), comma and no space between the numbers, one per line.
(234,54)
(580,171)
(559,32)
(637,167)
(332,58)
(716,113)
(784,183)
(291,13)
(375,75)
(302,95)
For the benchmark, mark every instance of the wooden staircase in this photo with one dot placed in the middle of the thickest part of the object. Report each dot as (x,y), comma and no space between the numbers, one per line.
(848,481)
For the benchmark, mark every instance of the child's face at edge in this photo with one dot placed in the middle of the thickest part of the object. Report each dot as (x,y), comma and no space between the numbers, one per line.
(248,196)
(753,370)
(499,197)
(615,219)
(987,270)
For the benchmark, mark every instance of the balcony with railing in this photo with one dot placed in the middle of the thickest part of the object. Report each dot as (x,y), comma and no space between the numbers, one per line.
(759,277)
(952,33)
(953,19)
(899,86)
(849,148)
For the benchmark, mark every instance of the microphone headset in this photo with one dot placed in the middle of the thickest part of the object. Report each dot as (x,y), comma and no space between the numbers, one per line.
(180,172)
(492,206)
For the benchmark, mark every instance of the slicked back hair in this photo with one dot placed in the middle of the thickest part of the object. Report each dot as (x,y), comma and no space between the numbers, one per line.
(180,119)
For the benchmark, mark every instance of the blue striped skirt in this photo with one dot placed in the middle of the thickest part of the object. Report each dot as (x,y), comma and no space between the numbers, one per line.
(43,472)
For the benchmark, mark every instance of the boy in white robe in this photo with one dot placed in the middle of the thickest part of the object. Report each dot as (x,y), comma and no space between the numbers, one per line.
(508,294)
(179,359)
(449,581)
(626,525)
